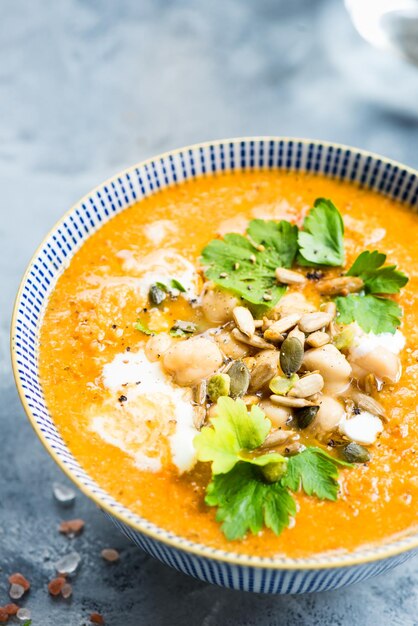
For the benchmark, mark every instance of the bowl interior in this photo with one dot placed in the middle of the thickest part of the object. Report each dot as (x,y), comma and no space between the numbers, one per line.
(130,186)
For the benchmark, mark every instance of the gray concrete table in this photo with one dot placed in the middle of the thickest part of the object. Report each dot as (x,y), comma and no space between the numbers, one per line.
(89,87)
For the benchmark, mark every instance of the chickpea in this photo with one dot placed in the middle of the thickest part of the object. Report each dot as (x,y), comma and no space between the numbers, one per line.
(331,413)
(331,363)
(217,304)
(157,345)
(192,360)
(230,346)
(293,302)
(382,363)
(278,415)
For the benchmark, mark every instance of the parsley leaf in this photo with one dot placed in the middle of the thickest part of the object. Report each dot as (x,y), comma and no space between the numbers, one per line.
(366,262)
(321,240)
(377,279)
(373,314)
(232,432)
(246,266)
(279,240)
(142,328)
(315,471)
(245,502)
(175,284)
(245,498)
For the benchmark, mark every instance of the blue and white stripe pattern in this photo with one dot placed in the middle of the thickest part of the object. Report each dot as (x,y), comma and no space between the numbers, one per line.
(268,575)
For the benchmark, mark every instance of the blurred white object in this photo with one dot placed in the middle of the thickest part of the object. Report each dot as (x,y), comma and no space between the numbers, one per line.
(387,24)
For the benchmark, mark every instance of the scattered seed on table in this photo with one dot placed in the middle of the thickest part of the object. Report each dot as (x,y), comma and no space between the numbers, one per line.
(16,591)
(11,608)
(71,527)
(67,591)
(19,579)
(23,614)
(63,495)
(56,585)
(68,564)
(110,554)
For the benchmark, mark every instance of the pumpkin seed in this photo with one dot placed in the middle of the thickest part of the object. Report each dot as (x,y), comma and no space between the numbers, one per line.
(156,295)
(291,355)
(355,453)
(272,472)
(305,416)
(240,379)
(219,385)
(281,385)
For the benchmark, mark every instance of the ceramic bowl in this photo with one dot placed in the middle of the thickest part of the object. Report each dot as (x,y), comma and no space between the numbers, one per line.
(267,575)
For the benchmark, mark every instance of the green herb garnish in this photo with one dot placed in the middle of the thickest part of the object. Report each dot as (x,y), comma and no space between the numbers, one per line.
(142,328)
(180,328)
(321,241)
(377,279)
(175,284)
(246,265)
(233,433)
(315,471)
(245,500)
(157,293)
(373,313)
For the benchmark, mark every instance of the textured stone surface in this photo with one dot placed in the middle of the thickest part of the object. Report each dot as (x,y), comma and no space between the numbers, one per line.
(89,87)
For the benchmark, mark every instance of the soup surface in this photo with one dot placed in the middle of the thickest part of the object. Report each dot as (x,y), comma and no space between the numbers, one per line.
(131,427)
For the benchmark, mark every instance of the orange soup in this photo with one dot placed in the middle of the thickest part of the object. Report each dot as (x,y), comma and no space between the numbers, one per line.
(164,324)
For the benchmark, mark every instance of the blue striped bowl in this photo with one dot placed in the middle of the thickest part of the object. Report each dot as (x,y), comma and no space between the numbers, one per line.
(267,575)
